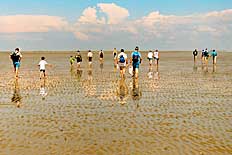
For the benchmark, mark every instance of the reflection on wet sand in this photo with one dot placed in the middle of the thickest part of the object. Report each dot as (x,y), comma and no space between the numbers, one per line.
(79,74)
(136,93)
(214,68)
(195,67)
(43,92)
(16,98)
(101,66)
(122,91)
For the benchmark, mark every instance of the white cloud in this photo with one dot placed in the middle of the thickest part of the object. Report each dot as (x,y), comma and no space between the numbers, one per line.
(110,22)
(115,13)
(31,23)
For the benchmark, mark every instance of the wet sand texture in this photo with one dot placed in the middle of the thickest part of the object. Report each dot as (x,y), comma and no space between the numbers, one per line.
(180,110)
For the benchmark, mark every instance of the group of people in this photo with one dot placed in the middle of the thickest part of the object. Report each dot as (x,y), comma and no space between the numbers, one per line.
(205,54)
(16,57)
(121,60)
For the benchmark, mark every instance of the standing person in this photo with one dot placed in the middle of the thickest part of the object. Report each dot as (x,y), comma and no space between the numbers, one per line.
(79,59)
(115,52)
(214,55)
(101,56)
(42,65)
(195,53)
(202,56)
(206,56)
(122,62)
(150,57)
(71,60)
(90,58)
(16,57)
(156,56)
(136,59)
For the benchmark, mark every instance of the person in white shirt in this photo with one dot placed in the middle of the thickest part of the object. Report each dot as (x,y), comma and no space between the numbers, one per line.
(156,56)
(150,57)
(90,57)
(42,64)
(122,62)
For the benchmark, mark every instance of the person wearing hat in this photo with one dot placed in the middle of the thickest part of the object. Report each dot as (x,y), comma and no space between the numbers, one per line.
(16,57)
(79,59)
(136,59)
(122,61)
(90,57)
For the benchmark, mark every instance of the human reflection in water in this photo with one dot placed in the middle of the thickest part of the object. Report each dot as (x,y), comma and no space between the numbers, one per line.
(122,91)
(136,92)
(79,74)
(43,93)
(90,75)
(195,67)
(214,68)
(150,73)
(101,66)
(16,98)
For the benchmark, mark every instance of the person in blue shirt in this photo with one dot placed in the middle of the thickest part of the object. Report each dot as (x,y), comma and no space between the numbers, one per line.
(214,55)
(136,59)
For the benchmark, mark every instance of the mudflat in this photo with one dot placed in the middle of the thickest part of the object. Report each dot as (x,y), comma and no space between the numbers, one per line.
(178,108)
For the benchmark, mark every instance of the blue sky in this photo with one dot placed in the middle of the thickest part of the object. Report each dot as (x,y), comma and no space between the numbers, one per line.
(127,22)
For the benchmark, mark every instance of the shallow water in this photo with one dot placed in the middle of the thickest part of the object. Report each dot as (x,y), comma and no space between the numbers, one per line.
(181,108)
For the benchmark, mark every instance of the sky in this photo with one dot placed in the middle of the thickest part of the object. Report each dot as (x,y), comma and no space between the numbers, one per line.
(94,24)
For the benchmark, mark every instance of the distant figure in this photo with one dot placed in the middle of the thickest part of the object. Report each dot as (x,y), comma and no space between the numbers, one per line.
(79,59)
(206,56)
(42,65)
(156,57)
(202,56)
(16,57)
(90,58)
(150,57)
(101,56)
(115,52)
(71,60)
(122,62)
(214,55)
(136,59)
(195,53)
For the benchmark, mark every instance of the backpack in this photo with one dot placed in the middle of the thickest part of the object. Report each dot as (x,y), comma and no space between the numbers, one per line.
(121,59)
(135,57)
(14,57)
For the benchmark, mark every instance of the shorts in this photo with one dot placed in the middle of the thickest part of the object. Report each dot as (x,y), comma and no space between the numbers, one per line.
(156,58)
(122,67)
(42,70)
(90,59)
(149,59)
(78,63)
(16,64)
(135,65)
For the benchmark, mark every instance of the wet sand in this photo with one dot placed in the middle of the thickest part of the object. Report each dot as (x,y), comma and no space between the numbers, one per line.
(181,109)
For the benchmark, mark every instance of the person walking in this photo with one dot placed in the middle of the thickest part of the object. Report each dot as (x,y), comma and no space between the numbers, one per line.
(195,53)
(136,60)
(122,62)
(16,57)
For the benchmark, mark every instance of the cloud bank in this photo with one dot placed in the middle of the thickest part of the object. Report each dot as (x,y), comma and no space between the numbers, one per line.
(108,21)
